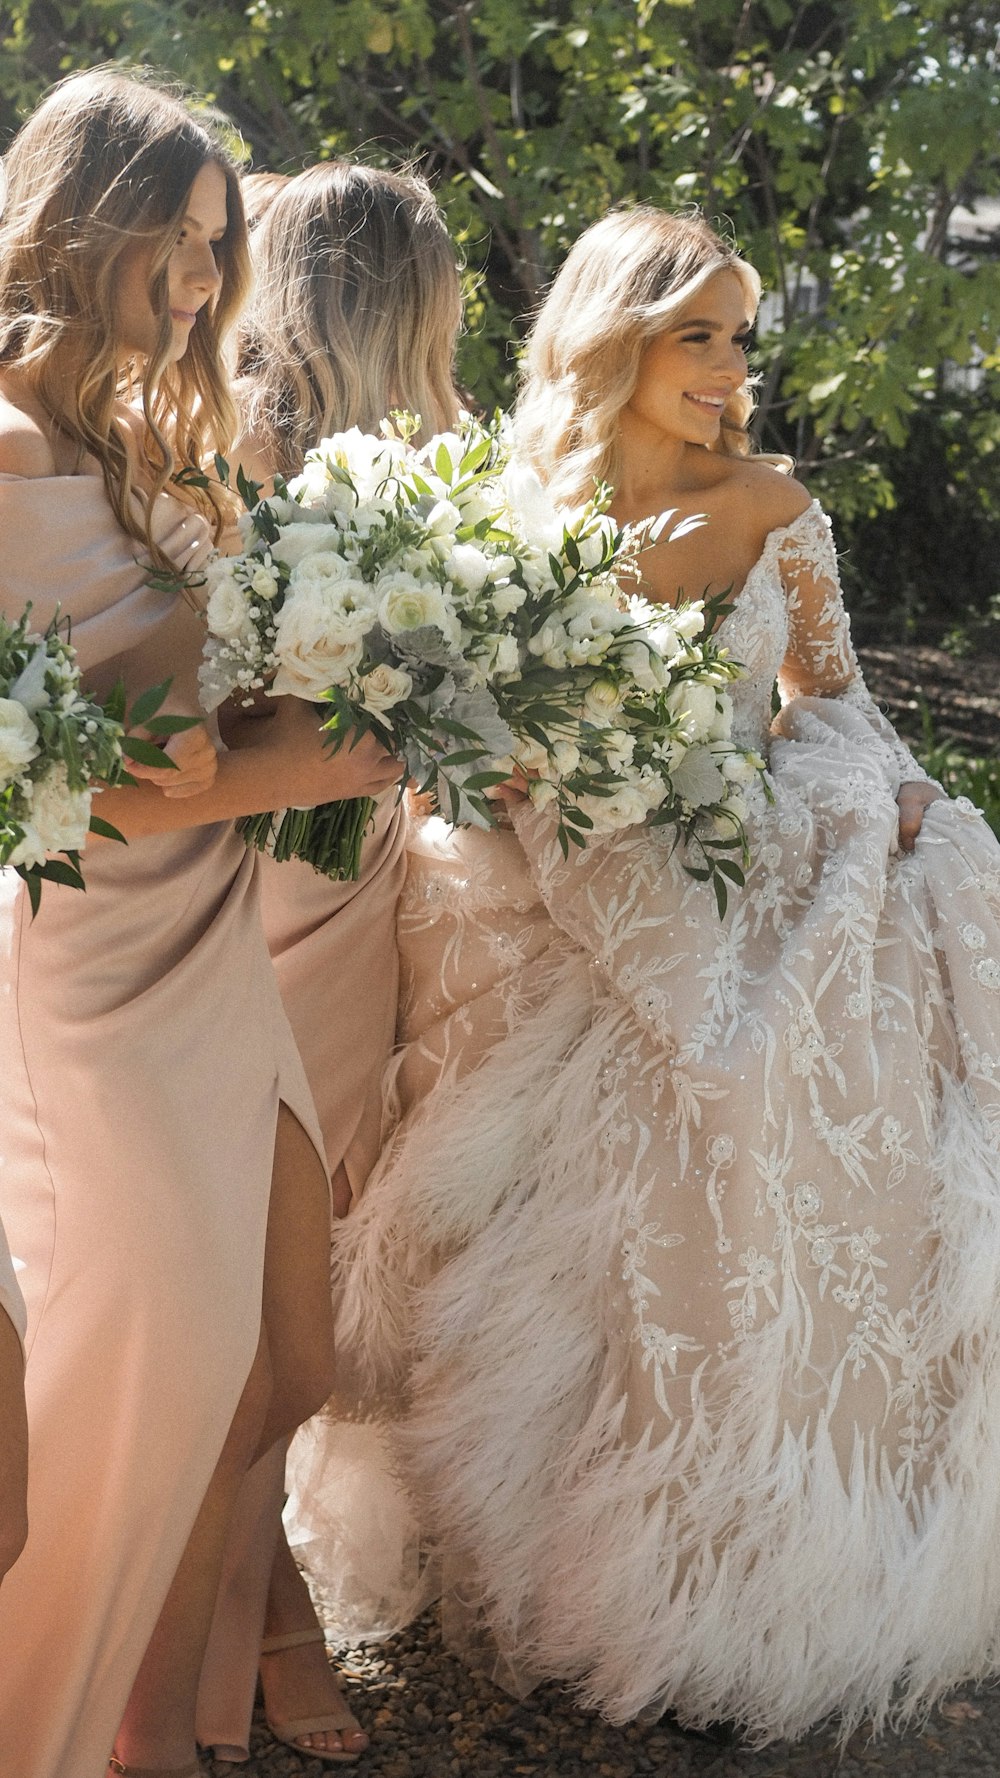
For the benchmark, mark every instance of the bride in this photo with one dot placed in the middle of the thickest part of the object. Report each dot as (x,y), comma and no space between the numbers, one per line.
(686,1253)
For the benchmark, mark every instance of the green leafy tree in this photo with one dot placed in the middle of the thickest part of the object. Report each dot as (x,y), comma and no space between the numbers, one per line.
(836,138)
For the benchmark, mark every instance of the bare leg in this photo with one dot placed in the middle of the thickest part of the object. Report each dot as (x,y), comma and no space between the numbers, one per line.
(298,1682)
(291,1377)
(13,1447)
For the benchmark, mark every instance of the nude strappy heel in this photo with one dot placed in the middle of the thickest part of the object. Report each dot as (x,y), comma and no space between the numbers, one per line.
(288,1733)
(121,1770)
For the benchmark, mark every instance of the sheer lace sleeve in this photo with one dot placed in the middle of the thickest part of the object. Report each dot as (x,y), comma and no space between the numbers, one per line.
(820,661)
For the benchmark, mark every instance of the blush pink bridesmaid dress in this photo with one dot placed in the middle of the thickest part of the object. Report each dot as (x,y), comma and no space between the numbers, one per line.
(143,1056)
(335,957)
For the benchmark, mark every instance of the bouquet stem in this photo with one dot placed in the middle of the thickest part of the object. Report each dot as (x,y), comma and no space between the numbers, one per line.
(329,838)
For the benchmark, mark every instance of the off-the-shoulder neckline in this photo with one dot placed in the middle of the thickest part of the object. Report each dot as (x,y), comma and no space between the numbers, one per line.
(43,481)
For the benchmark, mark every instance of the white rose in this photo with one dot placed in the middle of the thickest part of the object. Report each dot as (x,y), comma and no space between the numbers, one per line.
(58,821)
(320,565)
(18,739)
(295,542)
(384,687)
(313,648)
(695,706)
(542,792)
(738,768)
(227,610)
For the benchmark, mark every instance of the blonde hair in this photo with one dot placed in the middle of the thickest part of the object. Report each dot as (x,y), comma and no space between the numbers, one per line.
(105,162)
(625,280)
(356,311)
(259,191)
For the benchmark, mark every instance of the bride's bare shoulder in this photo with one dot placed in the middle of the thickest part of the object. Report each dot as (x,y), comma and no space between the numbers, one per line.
(766,494)
(24,446)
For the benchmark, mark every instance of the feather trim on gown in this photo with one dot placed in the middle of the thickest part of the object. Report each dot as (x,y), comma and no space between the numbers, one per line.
(684,1259)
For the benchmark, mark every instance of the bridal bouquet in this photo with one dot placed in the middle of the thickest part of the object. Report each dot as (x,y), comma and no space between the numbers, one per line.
(56,747)
(436,597)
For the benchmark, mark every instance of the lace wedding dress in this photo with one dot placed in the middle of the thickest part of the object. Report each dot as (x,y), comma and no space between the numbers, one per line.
(685,1257)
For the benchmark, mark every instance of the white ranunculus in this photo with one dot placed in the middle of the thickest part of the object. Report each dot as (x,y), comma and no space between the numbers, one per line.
(602,701)
(384,687)
(296,541)
(58,820)
(695,705)
(626,808)
(405,604)
(316,644)
(18,739)
(649,671)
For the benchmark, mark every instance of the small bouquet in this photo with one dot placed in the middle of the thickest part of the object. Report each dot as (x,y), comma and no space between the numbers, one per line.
(56,746)
(437,598)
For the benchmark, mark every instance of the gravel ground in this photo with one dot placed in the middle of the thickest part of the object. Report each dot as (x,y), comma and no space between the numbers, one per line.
(430,1718)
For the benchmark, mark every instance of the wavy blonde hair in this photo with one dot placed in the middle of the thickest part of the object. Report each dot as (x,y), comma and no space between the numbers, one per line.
(107,162)
(625,280)
(356,310)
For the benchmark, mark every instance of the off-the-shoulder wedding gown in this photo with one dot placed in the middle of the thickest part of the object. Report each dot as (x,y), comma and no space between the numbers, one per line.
(686,1254)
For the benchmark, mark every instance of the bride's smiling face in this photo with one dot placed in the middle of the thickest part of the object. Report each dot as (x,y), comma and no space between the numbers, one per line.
(689,371)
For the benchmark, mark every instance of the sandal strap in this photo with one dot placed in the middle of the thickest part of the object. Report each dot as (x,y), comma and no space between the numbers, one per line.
(312,1725)
(118,1766)
(274,1645)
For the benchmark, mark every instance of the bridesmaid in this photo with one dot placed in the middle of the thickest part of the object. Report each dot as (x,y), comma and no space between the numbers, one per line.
(357,309)
(161,1178)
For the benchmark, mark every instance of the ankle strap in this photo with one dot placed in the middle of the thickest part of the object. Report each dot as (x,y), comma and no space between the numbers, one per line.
(273,1645)
(116,1765)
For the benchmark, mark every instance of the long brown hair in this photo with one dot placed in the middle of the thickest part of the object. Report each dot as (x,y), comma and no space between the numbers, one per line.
(107,160)
(356,309)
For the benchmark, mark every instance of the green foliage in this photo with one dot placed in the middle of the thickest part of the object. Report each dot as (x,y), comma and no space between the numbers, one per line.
(835,139)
